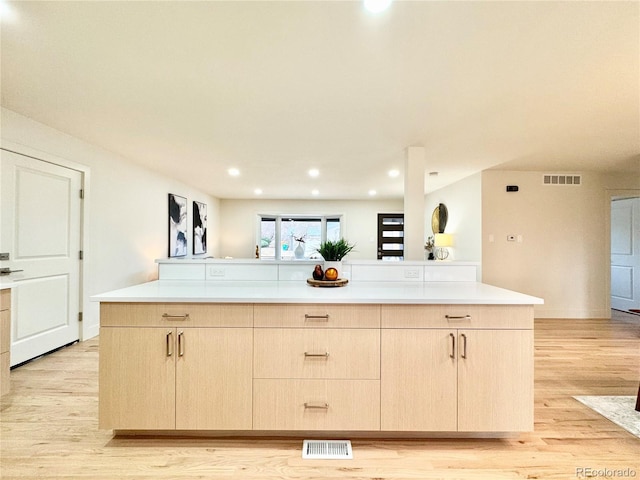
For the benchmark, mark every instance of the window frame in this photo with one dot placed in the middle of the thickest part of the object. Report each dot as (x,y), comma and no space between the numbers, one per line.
(279,218)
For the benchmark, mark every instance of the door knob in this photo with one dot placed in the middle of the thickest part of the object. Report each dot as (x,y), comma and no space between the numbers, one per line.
(8,271)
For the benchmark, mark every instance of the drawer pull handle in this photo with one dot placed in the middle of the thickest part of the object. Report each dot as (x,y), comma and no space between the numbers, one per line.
(317,406)
(453,346)
(316,317)
(166,316)
(323,355)
(169,344)
(181,344)
(458,317)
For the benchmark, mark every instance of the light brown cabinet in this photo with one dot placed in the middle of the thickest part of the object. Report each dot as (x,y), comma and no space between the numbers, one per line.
(495,380)
(418,381)
(175,377)
(137,378)
(471,379)
(5,339)
(214,379)
(300,404)
(316,367)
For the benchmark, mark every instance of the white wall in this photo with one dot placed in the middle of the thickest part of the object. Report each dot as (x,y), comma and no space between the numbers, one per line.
(465,217)
(564,253)
(126,223)
(239,222)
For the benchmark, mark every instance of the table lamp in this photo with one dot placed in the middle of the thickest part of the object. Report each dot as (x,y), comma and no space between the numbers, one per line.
(442,241)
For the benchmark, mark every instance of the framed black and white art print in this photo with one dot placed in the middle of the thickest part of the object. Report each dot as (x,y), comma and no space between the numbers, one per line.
(177,226)
(199,228)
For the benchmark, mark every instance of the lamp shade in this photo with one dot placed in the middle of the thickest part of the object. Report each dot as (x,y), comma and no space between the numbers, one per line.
(443,240)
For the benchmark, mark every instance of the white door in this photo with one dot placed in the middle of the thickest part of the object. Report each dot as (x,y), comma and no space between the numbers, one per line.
(40,210)
(625,254)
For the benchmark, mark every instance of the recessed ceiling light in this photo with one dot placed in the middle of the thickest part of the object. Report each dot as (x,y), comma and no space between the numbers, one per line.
(376,6)
(315,192)
(258,191)
(394,173)
(372,193)
(7,12)
(234,172)
(314,172)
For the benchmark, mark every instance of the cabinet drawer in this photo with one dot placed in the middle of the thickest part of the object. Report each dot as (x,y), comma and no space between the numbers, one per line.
(175,315)
(5,299)
(317,316)
(316,405)
(457,316)
(316,353)
(5,331)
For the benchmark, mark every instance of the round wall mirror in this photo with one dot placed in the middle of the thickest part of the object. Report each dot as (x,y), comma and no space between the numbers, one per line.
(439,218)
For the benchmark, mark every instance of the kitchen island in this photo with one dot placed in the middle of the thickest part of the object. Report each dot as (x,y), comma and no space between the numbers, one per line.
(281,358)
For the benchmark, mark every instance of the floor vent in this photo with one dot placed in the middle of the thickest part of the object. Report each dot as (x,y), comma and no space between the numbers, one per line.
(327,449)
(556,179)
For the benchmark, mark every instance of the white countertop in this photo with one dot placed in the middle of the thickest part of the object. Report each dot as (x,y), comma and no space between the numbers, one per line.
(198,291)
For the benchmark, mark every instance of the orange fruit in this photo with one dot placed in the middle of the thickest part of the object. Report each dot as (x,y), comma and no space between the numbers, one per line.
(331,274)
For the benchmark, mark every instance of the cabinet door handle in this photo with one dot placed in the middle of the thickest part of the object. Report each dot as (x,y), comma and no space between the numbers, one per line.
(324,355)
(169,343)
(316,406)
(166,316)
(453,346)
(316,317)
(180,344)
(464,345)
(458,317)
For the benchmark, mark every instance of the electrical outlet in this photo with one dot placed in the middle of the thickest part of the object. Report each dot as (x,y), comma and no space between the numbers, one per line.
(217,272)
(411,273)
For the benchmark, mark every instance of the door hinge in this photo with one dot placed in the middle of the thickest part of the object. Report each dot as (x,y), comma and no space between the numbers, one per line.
(81,255)
(79,316)
(82,193)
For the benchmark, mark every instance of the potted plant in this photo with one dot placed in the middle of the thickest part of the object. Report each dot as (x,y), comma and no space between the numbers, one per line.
(429,246)
(334,252)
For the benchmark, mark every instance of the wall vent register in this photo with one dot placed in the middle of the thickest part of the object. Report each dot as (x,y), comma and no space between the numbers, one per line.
(561,179)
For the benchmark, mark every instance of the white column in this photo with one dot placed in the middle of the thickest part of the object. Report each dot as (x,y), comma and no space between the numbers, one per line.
(414,168)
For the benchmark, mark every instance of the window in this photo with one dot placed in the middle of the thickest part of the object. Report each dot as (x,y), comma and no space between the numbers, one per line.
(291,237)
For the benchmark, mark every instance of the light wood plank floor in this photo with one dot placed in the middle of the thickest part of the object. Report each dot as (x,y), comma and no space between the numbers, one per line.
(48,426)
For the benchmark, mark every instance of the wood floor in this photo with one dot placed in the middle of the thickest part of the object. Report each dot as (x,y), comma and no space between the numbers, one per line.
(48,426)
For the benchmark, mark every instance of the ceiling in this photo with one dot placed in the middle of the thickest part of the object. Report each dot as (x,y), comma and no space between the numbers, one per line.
(191,89)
